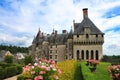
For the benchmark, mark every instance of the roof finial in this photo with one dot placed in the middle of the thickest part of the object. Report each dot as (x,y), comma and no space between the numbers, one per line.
(73,21)
(39,28)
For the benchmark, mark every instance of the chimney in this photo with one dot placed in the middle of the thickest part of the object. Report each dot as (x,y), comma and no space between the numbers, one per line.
(64,31)
(55,32)
(85,12)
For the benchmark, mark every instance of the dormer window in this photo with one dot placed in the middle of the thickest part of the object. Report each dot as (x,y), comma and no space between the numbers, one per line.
(77,36)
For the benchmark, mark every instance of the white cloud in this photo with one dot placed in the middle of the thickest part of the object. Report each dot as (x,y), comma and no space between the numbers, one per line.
(111,45)
(28,15)
(14,40)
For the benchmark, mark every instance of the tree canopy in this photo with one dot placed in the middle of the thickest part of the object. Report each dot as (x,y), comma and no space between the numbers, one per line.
(14,49)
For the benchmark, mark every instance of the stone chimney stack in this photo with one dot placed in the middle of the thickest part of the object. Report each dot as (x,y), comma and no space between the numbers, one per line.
(55,32)
(85,12)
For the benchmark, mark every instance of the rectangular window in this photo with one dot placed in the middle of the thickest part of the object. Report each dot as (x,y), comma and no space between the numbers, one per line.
(50,51)
(56,51)
(56,45)
(50,46)
(55,56)
(77,35)
(50,56)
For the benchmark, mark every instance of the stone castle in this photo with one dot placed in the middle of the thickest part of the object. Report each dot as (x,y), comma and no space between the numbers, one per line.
(82,43)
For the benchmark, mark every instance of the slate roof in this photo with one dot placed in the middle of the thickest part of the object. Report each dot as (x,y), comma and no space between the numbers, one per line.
(70,35)
(79,27)
(58,39)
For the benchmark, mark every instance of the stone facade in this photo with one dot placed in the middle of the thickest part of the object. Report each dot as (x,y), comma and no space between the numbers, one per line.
(85,42)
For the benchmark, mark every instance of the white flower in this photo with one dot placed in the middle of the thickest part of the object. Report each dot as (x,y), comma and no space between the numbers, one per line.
(35,64)
(33,67)
(54,69)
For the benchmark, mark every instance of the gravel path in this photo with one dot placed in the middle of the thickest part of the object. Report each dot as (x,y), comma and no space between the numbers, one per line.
(12,78)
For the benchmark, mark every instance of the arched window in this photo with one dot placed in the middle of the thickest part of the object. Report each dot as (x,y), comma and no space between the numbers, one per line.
(82,54)
(92,54)
(87,54)
(97,55)
(78,53)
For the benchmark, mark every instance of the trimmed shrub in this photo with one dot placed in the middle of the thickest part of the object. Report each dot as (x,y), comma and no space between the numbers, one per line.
(19,68)
(9,59)
(11,71)
(8,70)
(4,65)
(1,73)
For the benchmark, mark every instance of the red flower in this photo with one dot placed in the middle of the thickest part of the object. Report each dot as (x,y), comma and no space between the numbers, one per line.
(38,78)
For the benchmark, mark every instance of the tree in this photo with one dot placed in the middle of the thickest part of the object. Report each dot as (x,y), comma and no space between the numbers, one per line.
(8,59)
(28,59)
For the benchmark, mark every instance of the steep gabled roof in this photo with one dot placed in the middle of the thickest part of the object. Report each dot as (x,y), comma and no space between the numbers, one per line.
(86,23)
(79,27)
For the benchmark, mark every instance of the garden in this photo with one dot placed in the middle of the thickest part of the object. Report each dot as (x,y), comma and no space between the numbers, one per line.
(66,70)
(44,69)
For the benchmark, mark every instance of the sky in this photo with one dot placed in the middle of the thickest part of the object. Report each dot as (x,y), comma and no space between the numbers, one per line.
(20,20)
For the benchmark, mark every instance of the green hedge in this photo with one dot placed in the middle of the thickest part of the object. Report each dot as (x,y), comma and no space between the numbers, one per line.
(8,70)
(1,73)
(11,71)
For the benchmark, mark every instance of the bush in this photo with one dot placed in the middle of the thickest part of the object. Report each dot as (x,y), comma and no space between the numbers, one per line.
(28,59)
(1,73)
(8,69)
(19,68)
(41,70)
(4,65)
(11,71)
(9,59)
(23,77)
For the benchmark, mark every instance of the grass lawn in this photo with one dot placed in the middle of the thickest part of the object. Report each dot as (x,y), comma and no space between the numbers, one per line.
(100,74)
(77,70)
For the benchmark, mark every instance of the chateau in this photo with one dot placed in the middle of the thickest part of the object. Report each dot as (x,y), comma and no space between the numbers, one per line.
(82,43)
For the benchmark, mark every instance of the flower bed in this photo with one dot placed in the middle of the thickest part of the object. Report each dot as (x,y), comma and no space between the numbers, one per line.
(114,70)
(92,64)
(41,70)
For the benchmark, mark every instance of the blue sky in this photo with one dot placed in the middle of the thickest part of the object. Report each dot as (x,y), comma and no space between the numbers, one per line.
(21,19)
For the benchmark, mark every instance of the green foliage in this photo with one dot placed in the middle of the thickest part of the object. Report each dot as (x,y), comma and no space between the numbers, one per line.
(14,49)
(68,70)
(77,70)
(78,73)
(28,59)
(9,69)
(23,77)
(19,68)
(1,73)
(9,59)
(100,74)
(4,65)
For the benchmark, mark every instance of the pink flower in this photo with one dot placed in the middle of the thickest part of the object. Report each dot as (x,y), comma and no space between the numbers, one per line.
(38,78)
(59,71)
(53,62)
(32,72)
(117,76)
(42,72)
(55,77)
(43,67)
(47,68)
